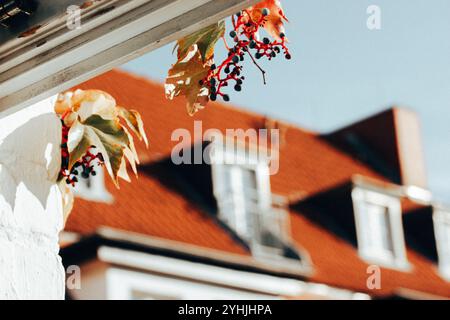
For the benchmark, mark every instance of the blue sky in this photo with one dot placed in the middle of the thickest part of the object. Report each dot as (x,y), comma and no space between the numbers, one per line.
(341,71)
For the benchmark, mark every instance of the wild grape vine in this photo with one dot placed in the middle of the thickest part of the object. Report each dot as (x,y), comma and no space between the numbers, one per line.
(83,167)
(245,35)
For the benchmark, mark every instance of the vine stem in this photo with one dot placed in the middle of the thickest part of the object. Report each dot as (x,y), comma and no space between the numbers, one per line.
(258,66)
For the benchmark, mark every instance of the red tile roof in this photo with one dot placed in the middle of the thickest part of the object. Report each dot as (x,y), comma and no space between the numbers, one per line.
(337,263)
(148,207)
(304,156)
(308,164)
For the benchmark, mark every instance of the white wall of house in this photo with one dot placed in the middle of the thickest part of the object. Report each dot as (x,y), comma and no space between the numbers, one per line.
(30,204)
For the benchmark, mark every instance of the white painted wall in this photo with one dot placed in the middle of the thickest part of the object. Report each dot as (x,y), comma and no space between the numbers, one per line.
(30,204)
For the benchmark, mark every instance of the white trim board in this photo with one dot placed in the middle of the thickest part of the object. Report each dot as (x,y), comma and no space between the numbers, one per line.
(68,58)
(123,284)
(264,284)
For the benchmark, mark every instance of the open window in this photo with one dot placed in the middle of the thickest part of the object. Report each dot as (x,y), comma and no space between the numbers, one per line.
(379,229)
(441,219)
(272,231)
(245,203)
(241,192)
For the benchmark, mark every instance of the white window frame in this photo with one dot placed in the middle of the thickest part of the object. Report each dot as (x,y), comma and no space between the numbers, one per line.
(397,258)
(241,158)
(267,252)
(246,159)
(441,222)
(97,192)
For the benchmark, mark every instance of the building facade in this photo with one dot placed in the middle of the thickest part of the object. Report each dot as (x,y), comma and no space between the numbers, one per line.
(345,215)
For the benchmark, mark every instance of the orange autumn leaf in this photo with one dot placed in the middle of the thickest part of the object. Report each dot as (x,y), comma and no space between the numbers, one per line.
(195,55)
(184,79)
(274,21)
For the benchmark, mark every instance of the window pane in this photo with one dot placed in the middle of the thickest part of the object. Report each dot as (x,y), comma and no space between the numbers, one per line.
(239,199)
(379,237)
(249,180)
(241,208)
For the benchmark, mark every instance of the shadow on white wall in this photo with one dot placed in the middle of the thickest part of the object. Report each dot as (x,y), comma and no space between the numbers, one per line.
(29,159)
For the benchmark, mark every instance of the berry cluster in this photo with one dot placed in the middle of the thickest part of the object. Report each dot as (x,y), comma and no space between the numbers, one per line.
(246,39)
(84,166)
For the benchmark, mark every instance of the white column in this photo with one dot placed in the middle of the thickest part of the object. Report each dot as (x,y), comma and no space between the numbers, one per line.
(30,204)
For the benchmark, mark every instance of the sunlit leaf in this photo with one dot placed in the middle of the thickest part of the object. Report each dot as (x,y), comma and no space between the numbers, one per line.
(195,55)
(134,121)
(113,139)
(94,121)
(205,39)
(274,21)
(184,79)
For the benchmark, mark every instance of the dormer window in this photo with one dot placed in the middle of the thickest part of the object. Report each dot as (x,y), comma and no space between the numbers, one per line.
(379,229)
(242,191)
(442,233)
(93,188)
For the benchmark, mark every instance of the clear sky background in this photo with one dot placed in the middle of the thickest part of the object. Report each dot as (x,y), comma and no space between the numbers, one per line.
(341,71)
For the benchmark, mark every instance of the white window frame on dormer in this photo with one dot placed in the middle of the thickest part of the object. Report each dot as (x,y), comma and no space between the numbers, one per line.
(249,159)
(396,257)
(441,221)
(274,218)
(240,159)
